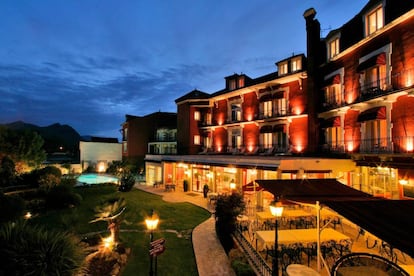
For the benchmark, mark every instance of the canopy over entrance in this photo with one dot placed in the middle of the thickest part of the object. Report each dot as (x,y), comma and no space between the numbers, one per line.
(389,220)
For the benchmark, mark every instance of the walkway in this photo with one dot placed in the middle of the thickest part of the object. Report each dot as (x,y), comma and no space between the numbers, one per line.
(210,256)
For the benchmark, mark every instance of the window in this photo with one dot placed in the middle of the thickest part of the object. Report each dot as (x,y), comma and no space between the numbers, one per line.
(334,137)
(236,112)
(374,79)
(241,82)
(236,138)
(267,140)
(125,134)
(296,64)
(232,84)
(374,21)
(375,135)
(208,118)
(283,68)
(267,109)
(207,142)
(196,139)
(333,95)
(280,139)
(125,147)
(333,47)
(197,115)
(280,107)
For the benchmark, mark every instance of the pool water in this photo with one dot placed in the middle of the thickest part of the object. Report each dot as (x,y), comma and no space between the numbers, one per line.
(94,178)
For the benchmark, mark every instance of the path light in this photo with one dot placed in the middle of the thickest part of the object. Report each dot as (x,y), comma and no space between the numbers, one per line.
(276,209)
(151,223)
(28,215)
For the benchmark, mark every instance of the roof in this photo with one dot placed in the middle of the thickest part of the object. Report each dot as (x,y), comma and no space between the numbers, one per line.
(99,139)
(389,220)
(195,94)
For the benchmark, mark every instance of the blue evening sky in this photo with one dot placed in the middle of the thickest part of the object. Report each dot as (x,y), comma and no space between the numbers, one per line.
(87,63)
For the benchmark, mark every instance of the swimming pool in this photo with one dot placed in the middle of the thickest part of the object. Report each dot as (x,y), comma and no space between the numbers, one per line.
(94,178)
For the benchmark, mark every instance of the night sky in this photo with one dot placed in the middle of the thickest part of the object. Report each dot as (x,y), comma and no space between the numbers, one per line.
(87,63)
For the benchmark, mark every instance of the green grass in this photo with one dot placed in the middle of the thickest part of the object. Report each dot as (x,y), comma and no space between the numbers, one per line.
(178,259)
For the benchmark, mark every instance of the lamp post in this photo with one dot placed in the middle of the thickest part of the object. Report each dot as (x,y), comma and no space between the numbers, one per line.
(276,209)
(151,223)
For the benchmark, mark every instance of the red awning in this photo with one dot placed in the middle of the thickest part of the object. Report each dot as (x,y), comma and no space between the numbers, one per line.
(331,122)
(266,129)
(376,113)
(335,79)
(265,98)
(279,128)
(279,95)
(252,187)
(376,60)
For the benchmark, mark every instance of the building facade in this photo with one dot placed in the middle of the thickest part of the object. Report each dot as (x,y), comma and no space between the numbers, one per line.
(342,111)
(96,153)
(154,133)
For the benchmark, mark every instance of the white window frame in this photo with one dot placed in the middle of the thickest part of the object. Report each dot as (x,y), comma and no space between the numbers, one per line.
(295,64)
(268,109)
(283,68)
(333,47)
(374,20)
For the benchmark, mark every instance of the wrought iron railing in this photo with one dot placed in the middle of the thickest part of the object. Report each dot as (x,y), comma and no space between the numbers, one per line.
(255,259)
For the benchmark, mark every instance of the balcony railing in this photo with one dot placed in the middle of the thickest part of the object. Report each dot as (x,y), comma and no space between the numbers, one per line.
(396,145)
(381,87)
(263,150)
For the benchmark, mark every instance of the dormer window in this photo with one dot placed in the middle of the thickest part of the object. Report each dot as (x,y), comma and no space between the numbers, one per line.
(374,20)
(232,84)
(333,47)
(296,64)
(283,68)
(241,82)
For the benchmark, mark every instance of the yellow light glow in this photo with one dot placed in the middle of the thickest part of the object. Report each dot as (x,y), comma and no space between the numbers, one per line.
(232,185)
(101,167)
(350,146)
(276,210)
(403,181)
(108,242)
(299,148)
(409,144)
(151,223)
(28,215)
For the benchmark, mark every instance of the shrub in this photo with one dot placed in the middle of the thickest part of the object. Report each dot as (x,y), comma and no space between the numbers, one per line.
(127,182)
(34,250)
(12,207)
(240,264)
(228,207)
(62,196)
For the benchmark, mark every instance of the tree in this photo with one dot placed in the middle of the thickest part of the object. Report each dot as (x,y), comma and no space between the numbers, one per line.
(7,172)
(24,147)
(228,207)
(111,211)
(35,250)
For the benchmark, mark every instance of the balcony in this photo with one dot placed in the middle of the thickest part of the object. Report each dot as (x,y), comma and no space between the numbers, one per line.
(396,145)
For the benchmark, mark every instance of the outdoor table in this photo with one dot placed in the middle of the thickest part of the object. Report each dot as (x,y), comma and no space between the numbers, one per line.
(286,237)
(300,270)
(212,197)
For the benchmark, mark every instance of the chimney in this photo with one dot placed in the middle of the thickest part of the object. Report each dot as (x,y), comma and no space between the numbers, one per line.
(314,60)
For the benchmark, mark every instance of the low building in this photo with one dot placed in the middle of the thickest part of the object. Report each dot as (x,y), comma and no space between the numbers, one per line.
(97,153)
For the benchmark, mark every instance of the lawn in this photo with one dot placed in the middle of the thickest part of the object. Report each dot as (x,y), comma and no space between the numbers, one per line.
(178,258)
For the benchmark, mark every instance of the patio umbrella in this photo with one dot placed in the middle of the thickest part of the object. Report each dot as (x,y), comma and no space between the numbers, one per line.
(252,187)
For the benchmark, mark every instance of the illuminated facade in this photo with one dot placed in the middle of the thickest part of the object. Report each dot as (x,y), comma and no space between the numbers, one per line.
(344,111)
(98,152)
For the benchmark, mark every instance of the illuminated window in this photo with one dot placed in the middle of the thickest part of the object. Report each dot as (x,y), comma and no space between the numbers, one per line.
(283,68)
(232,84)
(333,95)
(208,118)
(267,140)
(375,78)
(197,115)
(236,112)
(207,142)
(333,47)
(267,109)
(374,135)
(374,20)
(241,82)
(281,107)
(334,137)
(197,140)
(296,64)
(236,138)
(125,147)
(280,141)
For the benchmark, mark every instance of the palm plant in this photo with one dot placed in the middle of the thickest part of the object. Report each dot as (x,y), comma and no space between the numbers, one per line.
(35,250)
(111,212)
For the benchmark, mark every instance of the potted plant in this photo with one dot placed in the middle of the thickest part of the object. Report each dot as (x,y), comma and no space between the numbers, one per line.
(205,190)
